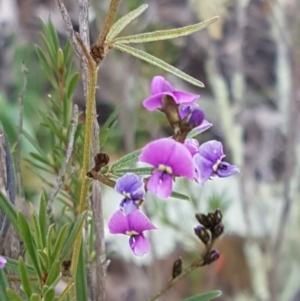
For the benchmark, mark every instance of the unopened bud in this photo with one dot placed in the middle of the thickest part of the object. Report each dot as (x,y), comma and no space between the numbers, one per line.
(212,256)
(177,268)
(218,216)
(202,233)
(218,230)
(202,219)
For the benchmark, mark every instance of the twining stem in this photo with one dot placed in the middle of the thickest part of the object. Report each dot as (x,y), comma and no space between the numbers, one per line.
(186,271)
(90,107)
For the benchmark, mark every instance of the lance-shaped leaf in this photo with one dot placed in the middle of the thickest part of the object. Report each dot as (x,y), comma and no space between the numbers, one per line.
(127,160)
(26,284)
(124,21)
(142,171)
(164,34)
(13,265)
(180,196)
(13,296)
(144,56)
(3,285)
(204,297)
(9,210)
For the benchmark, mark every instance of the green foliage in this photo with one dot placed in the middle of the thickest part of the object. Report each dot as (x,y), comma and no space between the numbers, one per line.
(3,286)
(205,297)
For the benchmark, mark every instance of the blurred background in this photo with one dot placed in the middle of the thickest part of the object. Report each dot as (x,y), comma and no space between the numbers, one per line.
(249,61)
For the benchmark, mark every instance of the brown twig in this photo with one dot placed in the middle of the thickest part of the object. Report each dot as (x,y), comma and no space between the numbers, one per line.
(98,51)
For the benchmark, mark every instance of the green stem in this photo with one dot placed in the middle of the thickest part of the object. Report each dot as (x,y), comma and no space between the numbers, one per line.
(90,107)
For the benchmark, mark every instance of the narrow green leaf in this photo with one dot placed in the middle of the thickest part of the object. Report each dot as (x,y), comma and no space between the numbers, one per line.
(43,218)
(124,21)
(104,134)
(44,260)
(9,210)
(127,160)
(59,243)
(50,294)
(34,297)
(164,34)
(31,162)
(71,86)
(50,238)
(72,235)
(54,273)
(53,35)
(26,284)
(3,285)
(34,143)
(40,158)
(28,241)
(141,171)
(204,297)
(13,265)
(13,296)
(81,284)
(36,233)
(152,60)
(180,196)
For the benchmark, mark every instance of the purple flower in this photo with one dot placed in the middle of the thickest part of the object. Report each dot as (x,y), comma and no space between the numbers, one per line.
(161,87)
(208,162)
(194,116)
(133,224)
(169,158)
(2,262)
(131,187)
(192,145)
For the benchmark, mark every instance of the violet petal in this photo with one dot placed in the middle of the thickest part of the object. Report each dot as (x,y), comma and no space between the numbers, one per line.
(127,206)
(225,170)
(212,150)
(204,168)
(131,184)
(197,117)
(3,262)
(139,244)
(139,222)
(118,223)
(205,125)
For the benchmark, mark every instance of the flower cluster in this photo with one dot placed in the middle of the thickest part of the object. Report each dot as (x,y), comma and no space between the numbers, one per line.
(170,158)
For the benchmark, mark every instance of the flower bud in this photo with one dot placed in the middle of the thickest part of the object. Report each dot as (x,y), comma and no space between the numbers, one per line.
(218,230)
(202,233)
(212,256)
(202,219)
(211,220)
(218,216)
(177,268)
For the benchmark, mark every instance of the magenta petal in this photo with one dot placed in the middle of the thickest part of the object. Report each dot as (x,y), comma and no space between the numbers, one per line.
(155,102)
(139,222)
(118,223)
(158,151)
(185,97)
(192,145)
(160,184)
(139,244)
(181,161)
(212,150)
(204,168)
(160,85)
(205,125)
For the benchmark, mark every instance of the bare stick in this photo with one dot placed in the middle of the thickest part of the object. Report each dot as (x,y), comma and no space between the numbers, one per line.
(186,271)
(69,27)
(20,129)
(62,171)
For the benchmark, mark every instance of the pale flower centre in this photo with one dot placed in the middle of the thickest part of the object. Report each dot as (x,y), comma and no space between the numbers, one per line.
(216,166)
(166,169)
(131,233)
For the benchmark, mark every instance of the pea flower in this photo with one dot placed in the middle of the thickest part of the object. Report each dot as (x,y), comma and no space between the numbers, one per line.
(131,187)
(169,159)
(159,88)
(195,116)
(133,225)
(2,262)
(208,162)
